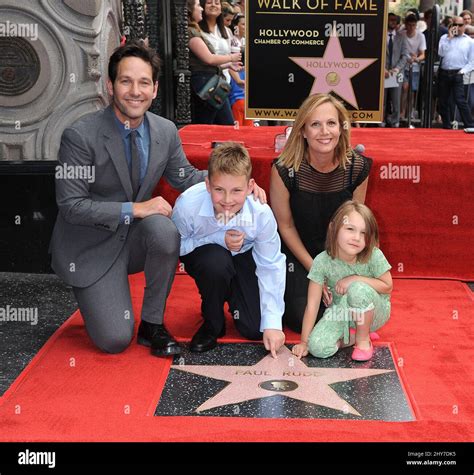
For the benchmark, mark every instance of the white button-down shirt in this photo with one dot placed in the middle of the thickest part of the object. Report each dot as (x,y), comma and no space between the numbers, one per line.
(393,33)
(457,53)
(195,219)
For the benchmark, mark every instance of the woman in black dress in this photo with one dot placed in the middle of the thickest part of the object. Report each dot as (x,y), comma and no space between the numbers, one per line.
(316,172)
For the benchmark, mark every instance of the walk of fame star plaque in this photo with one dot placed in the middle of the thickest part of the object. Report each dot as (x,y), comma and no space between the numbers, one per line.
(298,48)
(243,380)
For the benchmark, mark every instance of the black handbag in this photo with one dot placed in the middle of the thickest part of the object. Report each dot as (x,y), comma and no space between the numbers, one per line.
(215,91)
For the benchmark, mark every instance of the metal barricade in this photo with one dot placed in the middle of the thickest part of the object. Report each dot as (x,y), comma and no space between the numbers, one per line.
(409,104)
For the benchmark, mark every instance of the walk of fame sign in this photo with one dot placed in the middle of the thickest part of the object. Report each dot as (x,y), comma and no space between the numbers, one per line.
(243,380)
(302,47)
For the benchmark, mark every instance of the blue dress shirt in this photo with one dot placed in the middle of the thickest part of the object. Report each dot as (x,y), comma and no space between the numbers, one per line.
(143,146)
(195,219)
(457,53)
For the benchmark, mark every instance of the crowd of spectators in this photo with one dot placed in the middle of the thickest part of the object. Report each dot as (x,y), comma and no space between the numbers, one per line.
(217,46)
(408,44)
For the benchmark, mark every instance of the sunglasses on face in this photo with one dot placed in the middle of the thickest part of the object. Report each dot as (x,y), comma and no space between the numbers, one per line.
(457,24)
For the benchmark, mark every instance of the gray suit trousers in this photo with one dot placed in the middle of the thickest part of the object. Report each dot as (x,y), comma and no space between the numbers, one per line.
(153,246)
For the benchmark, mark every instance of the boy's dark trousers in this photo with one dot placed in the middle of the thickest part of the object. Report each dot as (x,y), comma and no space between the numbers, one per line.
(221,278)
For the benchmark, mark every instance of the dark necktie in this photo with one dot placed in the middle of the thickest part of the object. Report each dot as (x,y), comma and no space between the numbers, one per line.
(135,163)
(390,51)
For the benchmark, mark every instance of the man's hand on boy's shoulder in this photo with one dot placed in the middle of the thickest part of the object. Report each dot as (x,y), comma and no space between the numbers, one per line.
(259,194)
(273,340)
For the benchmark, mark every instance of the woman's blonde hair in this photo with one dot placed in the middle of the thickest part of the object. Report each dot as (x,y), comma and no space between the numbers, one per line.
(340,218)
(296,148)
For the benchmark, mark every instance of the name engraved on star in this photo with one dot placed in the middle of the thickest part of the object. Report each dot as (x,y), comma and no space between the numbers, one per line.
(252,373)
(284,373)
(301,373)
(316,6)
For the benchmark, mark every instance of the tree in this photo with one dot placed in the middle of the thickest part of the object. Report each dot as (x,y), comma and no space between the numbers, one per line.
(406,5)
(426,5)
(421,5)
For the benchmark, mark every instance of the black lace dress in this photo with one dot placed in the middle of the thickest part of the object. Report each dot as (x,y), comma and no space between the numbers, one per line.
(314,197)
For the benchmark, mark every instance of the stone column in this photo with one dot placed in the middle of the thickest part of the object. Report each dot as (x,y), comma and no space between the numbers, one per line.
(182,72)
(53,67)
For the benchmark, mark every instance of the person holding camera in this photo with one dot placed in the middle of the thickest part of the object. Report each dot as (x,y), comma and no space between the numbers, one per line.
(456,50)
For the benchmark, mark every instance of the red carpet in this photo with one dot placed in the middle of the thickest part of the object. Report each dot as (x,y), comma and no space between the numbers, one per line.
(72,392)
(426,228)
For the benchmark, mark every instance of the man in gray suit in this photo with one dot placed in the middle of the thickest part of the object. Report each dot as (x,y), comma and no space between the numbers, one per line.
(395,60)
(110,227)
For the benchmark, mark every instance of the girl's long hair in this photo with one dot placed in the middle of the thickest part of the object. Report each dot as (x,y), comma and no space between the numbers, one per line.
(220,21)
(189,10)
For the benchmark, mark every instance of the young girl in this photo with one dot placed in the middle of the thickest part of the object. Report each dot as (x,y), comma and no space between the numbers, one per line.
(359,275)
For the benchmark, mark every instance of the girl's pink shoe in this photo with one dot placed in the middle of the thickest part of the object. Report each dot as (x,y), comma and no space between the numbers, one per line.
(363,355)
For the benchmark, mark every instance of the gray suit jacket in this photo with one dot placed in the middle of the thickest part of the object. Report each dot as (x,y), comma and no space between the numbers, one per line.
(88,236)
(400,52)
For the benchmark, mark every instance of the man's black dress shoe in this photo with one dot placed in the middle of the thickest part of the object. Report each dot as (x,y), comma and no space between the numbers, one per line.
(205,339)
(157,337)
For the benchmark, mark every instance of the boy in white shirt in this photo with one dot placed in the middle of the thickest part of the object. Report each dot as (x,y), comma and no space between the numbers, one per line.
(231,247)
(416,44)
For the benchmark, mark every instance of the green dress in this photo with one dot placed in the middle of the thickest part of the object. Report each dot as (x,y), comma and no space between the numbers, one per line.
(359,298)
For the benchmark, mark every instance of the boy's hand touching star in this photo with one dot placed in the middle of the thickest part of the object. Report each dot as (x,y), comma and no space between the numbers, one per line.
(273,340)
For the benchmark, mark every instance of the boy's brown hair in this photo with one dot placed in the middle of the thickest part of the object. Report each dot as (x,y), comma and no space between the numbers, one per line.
(230,158)
(340,218)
